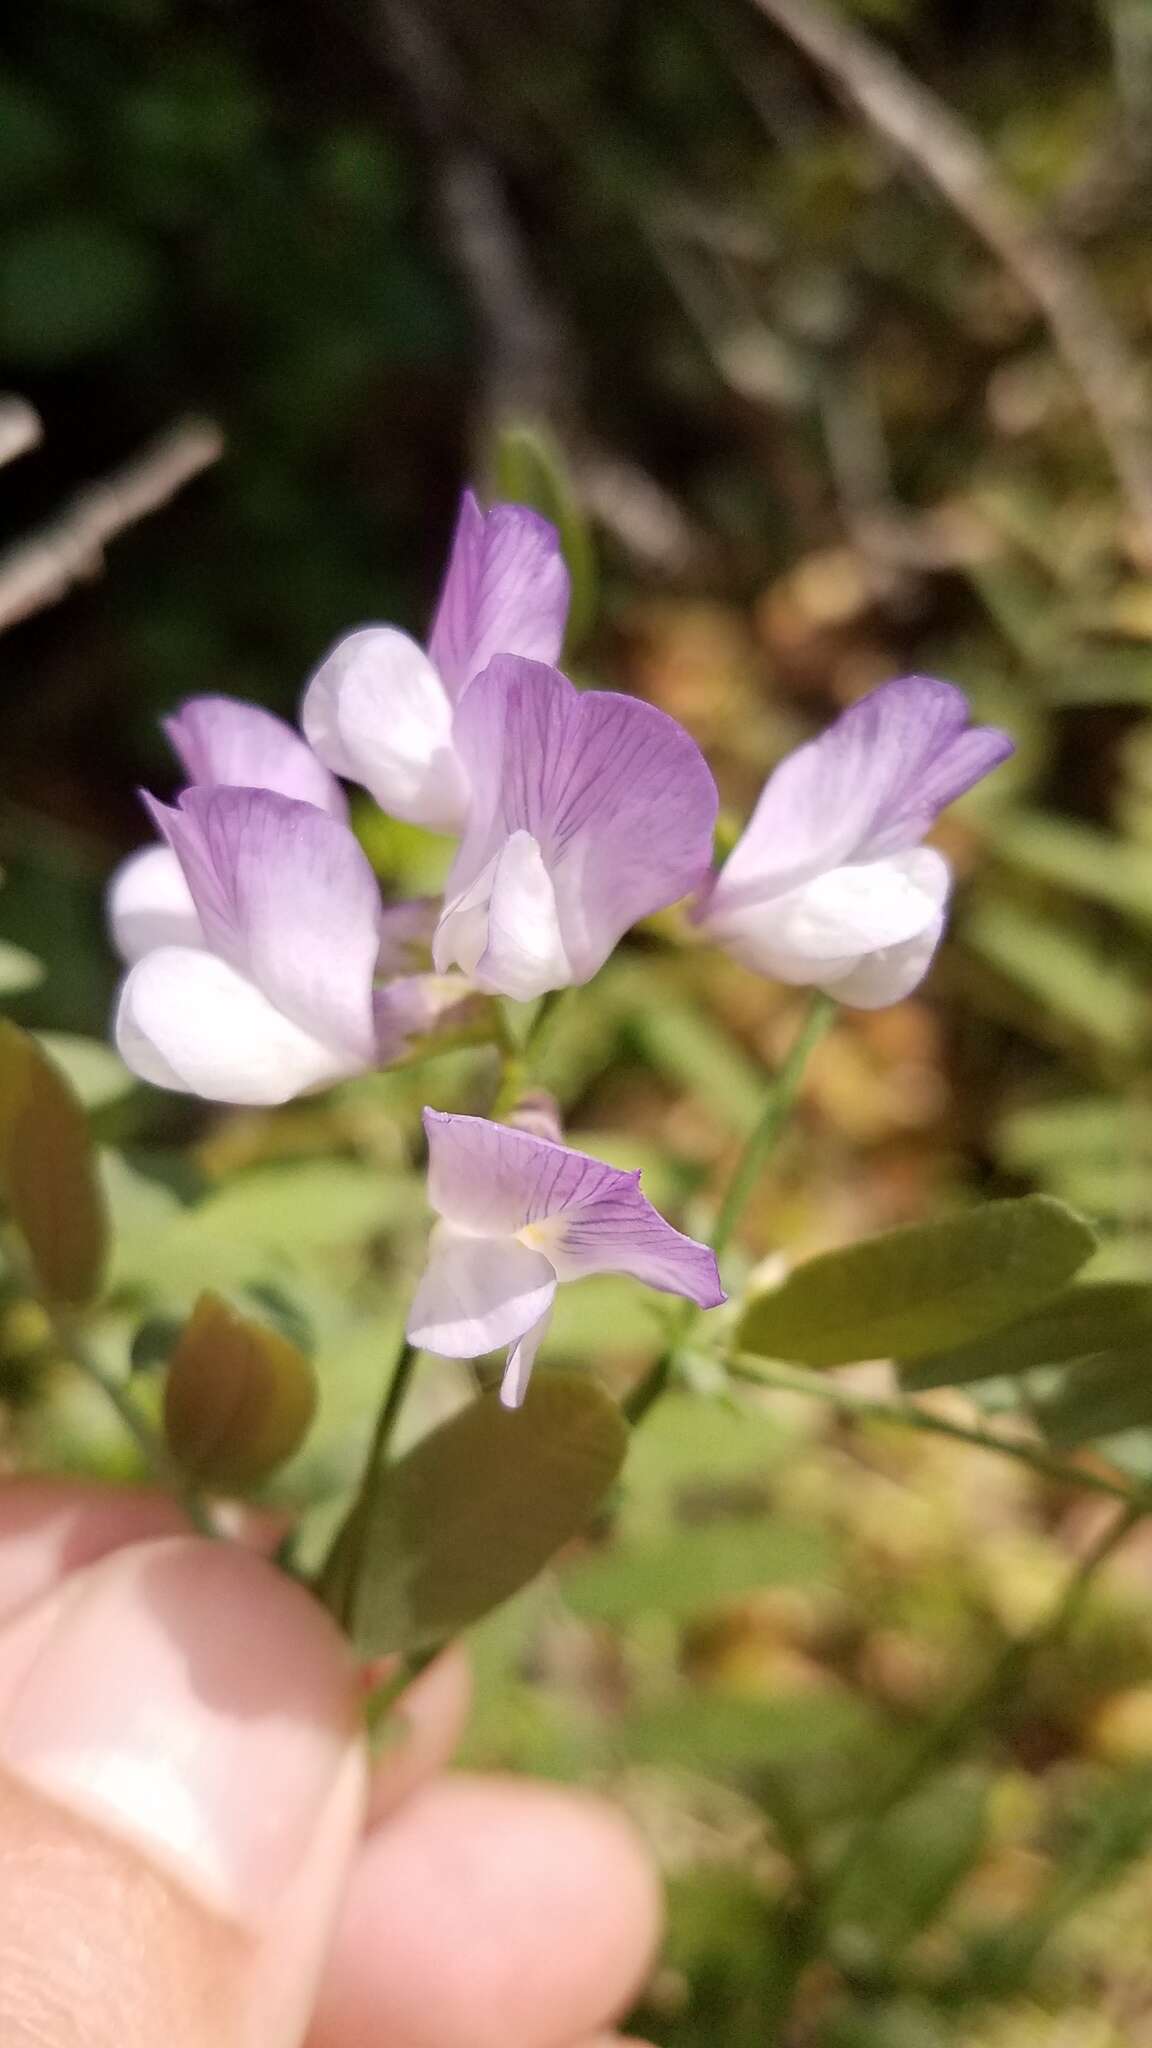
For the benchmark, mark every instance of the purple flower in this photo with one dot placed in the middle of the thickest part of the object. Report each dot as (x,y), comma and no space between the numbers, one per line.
(275,995)
(830,885)
(220,742)
(380,710)
(518,1214)
(589,812)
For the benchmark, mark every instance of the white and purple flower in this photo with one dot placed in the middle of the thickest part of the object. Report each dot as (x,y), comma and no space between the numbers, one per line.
(380,710)
(274,990)
(830,886)
(223,743)
(590,811)
(519,1215)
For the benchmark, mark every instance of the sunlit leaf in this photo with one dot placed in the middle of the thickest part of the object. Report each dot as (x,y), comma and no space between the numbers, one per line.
(94,1070)
(1085,1319)
(917,1289)
(239,1398)
(48,1173)
(19,970)
(479,1507)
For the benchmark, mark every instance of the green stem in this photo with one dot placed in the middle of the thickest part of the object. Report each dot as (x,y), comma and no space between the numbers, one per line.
(148,1441)
(780,1100)
(338,1582)
(797,1379)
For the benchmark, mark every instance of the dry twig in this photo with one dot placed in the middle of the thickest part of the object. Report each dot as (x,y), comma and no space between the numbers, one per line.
(42,568)
(933,138)
(20,428)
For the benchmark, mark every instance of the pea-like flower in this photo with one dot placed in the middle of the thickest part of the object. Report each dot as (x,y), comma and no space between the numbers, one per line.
(220,742)
(518,1215)
(830,886)
(380,710)
(590,811)
(276,993)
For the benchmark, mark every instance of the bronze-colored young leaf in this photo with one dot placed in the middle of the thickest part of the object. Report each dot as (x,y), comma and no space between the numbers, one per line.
(48,1173)
(921,1288)
(479,1507)
(239,1397)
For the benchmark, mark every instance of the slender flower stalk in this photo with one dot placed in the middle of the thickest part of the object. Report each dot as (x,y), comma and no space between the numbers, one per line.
(778,1106)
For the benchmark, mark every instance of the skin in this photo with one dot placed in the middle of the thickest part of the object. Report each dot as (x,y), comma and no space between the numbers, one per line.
(194,1850)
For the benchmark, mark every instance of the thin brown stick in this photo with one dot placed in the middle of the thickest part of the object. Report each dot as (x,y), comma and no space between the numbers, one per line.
(69,549)
(938,143)
(20,428)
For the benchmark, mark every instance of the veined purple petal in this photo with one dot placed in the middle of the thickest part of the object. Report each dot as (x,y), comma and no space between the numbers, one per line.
(241,746)
(478,1293)
(286,896)
(583,1216)
(377,711)
(505,591)
(150,904)
(615,798)
(872,785)
(190,1021)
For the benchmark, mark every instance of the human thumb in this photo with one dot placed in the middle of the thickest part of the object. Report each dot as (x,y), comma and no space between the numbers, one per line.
(182,1785)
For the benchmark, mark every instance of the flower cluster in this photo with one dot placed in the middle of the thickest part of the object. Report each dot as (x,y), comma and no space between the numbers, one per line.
(262,963)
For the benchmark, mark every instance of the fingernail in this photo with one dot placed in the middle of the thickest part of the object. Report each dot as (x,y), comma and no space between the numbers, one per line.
(192,1699)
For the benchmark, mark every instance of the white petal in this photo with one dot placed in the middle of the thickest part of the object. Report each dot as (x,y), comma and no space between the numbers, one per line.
(150,904)
(521,1359)
(376,711)
(818,932)
(478,1293)
(189,1021)
(889,975)
(504,931)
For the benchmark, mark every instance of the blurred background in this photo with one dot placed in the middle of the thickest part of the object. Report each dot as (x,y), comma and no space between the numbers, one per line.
(837,323)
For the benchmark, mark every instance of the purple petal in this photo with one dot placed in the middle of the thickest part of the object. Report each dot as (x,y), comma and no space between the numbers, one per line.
(405,931)
(285,894)
(617,798)
(240,746)
(583,1216)
(426,1006)
(478,1293)
(505,591)
(873,784)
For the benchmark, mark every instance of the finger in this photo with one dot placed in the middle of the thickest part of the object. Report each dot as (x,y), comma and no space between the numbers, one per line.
(423,1730)
(49,1527)
(181,1788)
(490,1913)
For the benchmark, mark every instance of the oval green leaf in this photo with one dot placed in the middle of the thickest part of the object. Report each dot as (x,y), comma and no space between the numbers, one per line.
(48,1173)
(1099,1397)
(478,1508)
(922,1288)
(239,1398)
(1082,1320)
